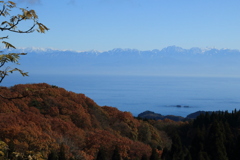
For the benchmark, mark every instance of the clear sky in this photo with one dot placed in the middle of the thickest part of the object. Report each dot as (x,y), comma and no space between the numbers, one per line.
(138,24)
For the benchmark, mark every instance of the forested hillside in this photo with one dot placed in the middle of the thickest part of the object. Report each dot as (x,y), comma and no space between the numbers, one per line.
(46,122)
(41,121)
(214,136)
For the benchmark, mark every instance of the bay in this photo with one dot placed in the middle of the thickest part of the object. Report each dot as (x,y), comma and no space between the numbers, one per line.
(140,93)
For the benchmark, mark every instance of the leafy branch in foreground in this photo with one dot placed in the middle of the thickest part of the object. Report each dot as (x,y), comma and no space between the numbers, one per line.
(11,23)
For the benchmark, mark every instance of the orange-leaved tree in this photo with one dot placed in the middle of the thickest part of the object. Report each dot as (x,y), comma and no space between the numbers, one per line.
(11,23)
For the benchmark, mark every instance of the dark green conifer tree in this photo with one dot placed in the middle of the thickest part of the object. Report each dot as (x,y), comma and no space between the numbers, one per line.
(166,154)
(144,157)
(229,140)
(215,142)
(177,149)
(154,155)
(236,152)
(116,155)
(72,158)
(188,156)
(11,149)
(101,154)
(207,120)
(53,155)
(202,156)
(61,155)
(197,144)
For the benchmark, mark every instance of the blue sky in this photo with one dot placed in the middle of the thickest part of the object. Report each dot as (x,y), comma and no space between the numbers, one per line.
(138,24)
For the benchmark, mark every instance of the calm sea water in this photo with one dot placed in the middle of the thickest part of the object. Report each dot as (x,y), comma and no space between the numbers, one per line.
(138,93)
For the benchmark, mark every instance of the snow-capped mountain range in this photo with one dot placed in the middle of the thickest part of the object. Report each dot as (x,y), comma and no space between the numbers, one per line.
(171,61)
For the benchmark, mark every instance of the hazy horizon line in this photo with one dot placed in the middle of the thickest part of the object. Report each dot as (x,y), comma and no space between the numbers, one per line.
(100,51)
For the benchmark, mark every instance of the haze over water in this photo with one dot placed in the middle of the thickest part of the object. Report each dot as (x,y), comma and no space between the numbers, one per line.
(155,93)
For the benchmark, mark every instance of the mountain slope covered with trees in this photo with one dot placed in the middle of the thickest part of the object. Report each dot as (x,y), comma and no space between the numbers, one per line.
(47,122)
(214,136)
(50,122)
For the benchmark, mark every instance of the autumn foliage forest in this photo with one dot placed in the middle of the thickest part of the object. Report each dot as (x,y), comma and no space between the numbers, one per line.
(42,121)
(48,122)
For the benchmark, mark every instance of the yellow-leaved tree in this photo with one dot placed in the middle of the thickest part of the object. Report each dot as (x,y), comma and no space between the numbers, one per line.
(11,23)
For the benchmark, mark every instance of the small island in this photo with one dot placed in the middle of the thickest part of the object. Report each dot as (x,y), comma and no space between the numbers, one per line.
(180,106)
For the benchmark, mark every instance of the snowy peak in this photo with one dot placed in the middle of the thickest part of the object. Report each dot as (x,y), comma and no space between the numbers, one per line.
(127,51)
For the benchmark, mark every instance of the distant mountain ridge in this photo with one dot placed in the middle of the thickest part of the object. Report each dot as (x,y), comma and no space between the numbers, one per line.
(172,61)
(169,49)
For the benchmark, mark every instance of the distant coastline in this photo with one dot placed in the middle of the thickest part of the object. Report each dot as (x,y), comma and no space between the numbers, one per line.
(157,116)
